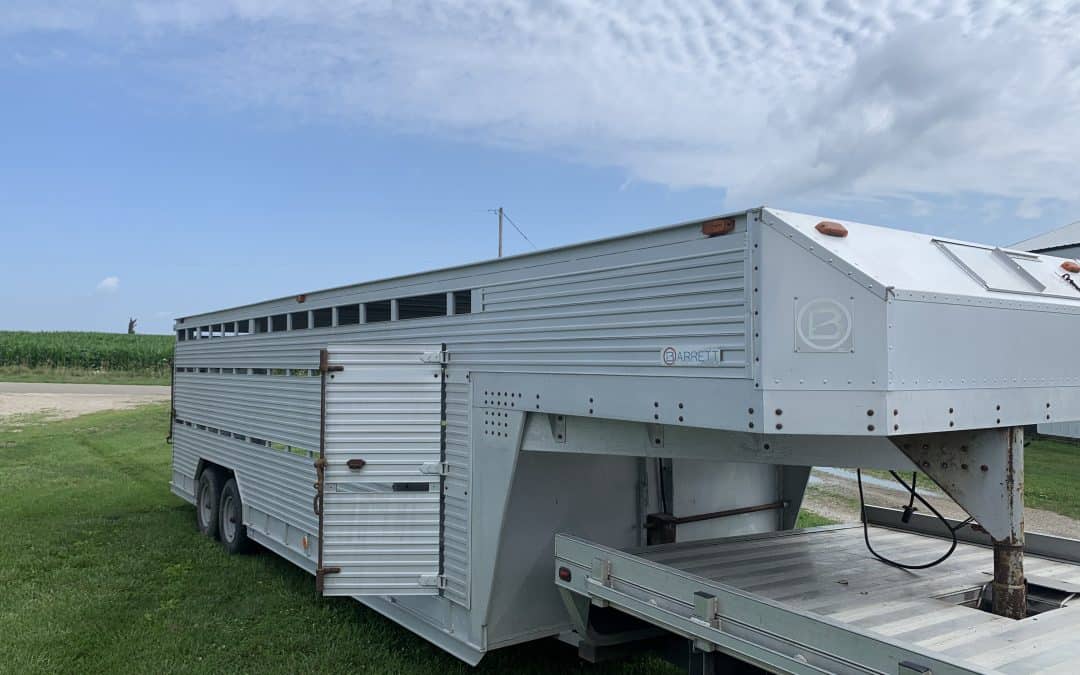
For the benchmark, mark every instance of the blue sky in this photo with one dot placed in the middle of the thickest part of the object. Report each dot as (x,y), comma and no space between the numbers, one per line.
(159,159)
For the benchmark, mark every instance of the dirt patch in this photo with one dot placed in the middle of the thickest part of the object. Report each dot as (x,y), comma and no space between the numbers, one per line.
(837,498)
(60,401)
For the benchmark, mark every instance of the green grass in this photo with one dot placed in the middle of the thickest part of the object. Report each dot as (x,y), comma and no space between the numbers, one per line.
(102,570)
(83,355)
(811,519)
(1051,470)
(79,376)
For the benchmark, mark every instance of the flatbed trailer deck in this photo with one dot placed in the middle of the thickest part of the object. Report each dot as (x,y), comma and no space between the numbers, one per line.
(816,600)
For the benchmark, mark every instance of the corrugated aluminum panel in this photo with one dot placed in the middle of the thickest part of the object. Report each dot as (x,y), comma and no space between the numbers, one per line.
(456,488)
(475,275)
(604,308)
(279,408)
(381,521)
(273,482)
(602,314)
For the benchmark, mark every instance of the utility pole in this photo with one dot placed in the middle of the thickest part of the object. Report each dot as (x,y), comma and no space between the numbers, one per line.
(500,231)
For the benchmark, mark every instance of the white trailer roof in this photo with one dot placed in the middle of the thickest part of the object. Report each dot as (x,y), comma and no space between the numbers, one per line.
(924,264)
(896,259)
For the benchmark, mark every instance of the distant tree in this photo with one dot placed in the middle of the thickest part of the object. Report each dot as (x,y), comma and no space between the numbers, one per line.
(131,326)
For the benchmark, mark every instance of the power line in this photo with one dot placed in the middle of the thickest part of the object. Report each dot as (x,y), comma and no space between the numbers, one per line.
(523,235)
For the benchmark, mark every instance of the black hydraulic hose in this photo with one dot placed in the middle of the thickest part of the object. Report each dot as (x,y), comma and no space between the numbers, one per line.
(914,495)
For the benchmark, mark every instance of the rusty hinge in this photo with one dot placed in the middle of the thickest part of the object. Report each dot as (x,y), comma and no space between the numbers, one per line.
(320,575)
(324,363)
(320,474)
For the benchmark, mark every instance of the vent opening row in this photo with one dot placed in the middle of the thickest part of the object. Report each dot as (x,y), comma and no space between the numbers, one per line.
(262,442)
(287,372)
(377,311)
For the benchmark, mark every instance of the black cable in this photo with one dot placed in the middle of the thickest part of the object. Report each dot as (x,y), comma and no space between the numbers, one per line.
(911,501)
(914,495)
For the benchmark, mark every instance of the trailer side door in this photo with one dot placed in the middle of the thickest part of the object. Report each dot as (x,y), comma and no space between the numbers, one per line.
(381,470)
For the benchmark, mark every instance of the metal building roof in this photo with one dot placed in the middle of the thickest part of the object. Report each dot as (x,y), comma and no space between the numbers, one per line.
(1069,235)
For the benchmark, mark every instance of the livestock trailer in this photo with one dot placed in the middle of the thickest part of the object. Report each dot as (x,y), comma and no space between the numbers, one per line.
(610,441)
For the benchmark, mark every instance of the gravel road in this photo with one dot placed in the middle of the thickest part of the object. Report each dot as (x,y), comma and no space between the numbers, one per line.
(834,495)
(58,401)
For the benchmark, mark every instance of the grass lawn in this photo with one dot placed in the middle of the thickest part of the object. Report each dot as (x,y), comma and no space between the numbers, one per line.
(811,519)
(1051,469)
(78,376)
(102,570)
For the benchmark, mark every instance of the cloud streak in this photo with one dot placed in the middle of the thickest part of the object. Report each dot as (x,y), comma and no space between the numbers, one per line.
(767,100)
(108,285)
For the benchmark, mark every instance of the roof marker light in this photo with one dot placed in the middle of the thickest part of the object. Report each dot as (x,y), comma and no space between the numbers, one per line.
(1070,266)
(831,228)
(712,228)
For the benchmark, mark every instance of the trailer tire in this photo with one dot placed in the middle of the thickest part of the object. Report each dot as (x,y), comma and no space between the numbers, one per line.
(233,532)
(208,502)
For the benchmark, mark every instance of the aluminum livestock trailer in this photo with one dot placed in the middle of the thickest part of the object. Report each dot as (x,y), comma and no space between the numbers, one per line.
(611,441)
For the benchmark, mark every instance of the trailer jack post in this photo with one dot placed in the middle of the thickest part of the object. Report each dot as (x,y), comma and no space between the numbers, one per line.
(993,495)
(1010,588)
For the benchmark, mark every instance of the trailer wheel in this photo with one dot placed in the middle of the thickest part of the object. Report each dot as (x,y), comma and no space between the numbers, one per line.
(208,502)
(233,533)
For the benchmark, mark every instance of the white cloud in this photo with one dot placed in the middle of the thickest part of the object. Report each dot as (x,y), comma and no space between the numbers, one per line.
(769,100)
(1029,209)
(108,285)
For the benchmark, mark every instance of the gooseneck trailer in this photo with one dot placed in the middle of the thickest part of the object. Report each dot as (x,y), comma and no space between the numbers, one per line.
(610,442)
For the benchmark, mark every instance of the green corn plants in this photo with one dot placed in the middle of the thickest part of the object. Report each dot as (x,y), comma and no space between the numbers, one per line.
(108,352)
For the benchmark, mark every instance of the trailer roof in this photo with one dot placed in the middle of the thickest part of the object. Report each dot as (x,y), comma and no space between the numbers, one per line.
(894,259)
(466,267)
(928,267)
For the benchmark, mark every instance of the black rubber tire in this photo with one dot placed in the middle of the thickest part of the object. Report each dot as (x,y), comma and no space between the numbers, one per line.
(232,532)
(208,502)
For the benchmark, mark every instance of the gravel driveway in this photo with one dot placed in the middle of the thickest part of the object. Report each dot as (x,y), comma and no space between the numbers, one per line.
(834,495)
(58,401)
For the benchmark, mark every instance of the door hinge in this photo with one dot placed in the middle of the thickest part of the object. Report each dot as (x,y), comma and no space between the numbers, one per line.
(324,363)
(320,576)
(441,356)
(435,468)
(435,581)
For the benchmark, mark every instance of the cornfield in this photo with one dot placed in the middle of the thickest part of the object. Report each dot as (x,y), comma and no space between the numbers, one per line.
(111,352)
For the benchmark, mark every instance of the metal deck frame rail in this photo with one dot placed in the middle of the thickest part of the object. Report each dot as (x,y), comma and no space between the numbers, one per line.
(1035,543)
(723,618)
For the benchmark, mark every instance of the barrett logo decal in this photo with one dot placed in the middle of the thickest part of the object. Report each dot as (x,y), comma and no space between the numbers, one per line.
(823,325)
(692,355)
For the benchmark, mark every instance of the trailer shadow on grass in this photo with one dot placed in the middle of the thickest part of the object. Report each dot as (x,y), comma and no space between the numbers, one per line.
(103,571)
